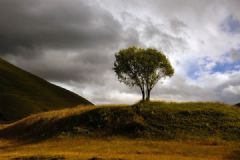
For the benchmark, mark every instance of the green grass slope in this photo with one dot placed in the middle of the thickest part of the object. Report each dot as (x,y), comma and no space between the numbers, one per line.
(154,120)
(22,94)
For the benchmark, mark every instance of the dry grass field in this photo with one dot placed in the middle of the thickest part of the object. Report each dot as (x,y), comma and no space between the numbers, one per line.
(82,148)
(158,131)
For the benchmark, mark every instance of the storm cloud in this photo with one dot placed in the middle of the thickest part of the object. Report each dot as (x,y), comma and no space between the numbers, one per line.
(72,40)
(56,24)
(72,43)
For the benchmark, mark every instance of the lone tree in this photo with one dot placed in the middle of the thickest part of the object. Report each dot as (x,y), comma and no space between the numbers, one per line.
(142,67)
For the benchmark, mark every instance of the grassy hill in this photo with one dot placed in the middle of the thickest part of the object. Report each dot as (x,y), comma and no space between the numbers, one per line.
(153,120)
(22,94)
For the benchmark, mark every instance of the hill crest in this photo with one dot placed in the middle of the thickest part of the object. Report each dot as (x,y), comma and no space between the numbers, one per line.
(153,120)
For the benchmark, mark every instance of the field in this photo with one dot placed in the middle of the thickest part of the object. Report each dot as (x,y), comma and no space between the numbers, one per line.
(144,131)
(83,148)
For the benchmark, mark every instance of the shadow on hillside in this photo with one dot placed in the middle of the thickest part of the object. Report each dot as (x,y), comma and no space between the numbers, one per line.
(99,122)
(2,118)
(235,155)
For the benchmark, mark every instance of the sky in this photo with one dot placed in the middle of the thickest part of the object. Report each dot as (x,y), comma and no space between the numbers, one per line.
(72,43)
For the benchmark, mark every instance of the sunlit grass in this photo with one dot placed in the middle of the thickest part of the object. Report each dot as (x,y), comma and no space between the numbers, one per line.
(110,148)
(50,115)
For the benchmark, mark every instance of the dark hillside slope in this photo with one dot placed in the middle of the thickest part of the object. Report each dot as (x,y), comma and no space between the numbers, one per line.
(22,93)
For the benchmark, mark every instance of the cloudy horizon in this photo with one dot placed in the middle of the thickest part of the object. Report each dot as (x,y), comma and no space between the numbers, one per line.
(72,44)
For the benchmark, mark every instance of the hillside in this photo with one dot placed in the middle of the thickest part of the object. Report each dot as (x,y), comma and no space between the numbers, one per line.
(154,120)
(22,93)
(238,105)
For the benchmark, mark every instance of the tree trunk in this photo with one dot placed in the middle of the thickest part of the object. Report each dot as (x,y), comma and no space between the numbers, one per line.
(143,94)
(148,95)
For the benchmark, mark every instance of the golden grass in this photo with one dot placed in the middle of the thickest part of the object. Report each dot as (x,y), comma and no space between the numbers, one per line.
(127,149)
(57,114)
(50,115)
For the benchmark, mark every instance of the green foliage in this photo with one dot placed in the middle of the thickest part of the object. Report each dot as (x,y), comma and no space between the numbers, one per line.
(142,68)
(22,94)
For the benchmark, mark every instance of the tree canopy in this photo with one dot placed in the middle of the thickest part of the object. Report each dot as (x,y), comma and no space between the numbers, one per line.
(142,67)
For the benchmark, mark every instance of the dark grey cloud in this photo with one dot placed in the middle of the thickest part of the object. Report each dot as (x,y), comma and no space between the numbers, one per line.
(84,67)
(61,40)
(28,25)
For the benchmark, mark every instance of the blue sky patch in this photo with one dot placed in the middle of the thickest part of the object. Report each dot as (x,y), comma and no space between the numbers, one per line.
(231,63)
(195,69)
(225,67)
